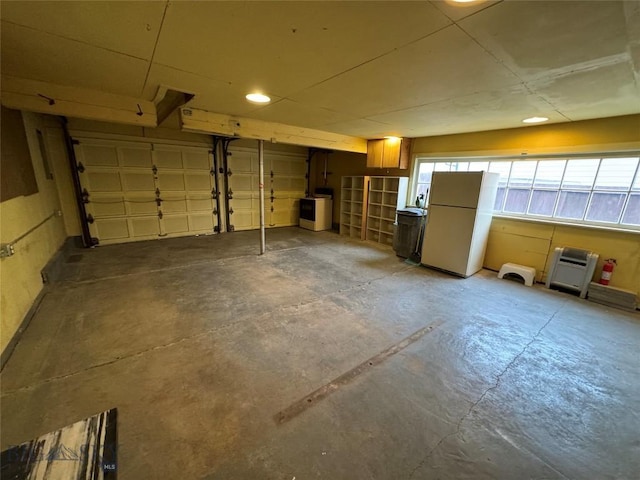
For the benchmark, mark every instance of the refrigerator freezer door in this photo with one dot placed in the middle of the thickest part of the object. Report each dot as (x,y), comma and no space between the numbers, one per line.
(456,189)
(448,237)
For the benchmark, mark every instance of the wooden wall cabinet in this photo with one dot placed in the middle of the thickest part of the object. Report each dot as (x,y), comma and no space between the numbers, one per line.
(388,153)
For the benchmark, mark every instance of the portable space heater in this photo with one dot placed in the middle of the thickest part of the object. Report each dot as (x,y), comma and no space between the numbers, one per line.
(572,268)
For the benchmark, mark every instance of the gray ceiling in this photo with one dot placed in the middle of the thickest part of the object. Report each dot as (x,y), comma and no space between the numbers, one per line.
(358,68)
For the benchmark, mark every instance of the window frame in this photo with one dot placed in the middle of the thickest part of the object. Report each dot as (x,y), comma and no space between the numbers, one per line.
(617,225)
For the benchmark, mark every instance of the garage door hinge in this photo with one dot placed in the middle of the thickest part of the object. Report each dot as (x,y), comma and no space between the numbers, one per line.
(80,167)
(271,208)
(157,192)
(229,172)
(271,173)
(212,172)
(214,194)
(154,169)
(230,194)
(159,201)
(160,215)
(215,211)
(231,211)
(90,219)
(85,196)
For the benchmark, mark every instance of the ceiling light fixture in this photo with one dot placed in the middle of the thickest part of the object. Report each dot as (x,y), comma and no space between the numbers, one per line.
(392,139)
(258,98)
(535,120)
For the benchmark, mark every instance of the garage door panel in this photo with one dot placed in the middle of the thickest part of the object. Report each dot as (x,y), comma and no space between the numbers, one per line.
(241,220)
(243,162)
(124,188)
(141,206)
(280,165)
(110,229)
(174,205)
(298,185)
(239,183)
(281,203)
(135,157)
(175,224)
(281,218)
(242,203)
(198,182)
(171,181)
(101,181)
(98,155)
(200,204)
(107,206)
(138,181)
(196,160)
(201,222)
(144,226)
(282,184)
(168,159)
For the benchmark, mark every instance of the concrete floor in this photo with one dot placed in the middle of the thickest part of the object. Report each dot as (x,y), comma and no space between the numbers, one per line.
(201,344)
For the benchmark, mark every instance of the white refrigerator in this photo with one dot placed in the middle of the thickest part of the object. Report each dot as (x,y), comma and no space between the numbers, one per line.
(458,221)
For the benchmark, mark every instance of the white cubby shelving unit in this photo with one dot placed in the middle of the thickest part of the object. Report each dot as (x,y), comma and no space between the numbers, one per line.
(386,195)
(353,206)
(368,206)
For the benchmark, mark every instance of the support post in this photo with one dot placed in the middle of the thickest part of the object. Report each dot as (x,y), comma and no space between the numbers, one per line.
(261,183)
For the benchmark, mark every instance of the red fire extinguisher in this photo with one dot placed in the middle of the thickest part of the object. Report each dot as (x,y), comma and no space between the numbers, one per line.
(607,270)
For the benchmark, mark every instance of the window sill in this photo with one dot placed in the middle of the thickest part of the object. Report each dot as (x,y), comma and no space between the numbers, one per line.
(554,222)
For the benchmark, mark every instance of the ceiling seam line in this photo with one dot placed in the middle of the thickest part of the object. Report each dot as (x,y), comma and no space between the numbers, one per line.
(395,49)
(75,40)
(155,46)
(486,7)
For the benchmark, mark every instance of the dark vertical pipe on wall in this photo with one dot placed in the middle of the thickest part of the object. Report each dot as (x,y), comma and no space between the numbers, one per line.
(87,241)
(225,169)
(261,184)
(216,161)
(312,152)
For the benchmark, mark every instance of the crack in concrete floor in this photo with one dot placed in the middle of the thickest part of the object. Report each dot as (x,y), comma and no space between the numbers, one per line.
(484,394)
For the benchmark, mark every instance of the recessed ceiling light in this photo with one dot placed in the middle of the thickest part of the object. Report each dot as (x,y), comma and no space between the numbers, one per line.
(535,120)
(258,98)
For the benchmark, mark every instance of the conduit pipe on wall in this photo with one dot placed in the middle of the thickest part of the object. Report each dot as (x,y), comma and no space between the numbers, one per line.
(261,184)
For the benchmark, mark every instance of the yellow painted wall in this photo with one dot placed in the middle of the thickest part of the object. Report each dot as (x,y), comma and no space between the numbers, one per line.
(524,241)
(20,280)
(600,135)
(532,244)
(341,164)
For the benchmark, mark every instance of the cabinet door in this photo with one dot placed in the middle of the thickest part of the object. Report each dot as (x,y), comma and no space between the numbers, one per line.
(375,151)
(391,153)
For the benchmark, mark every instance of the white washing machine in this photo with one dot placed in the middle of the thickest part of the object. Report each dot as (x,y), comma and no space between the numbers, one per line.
(316,213)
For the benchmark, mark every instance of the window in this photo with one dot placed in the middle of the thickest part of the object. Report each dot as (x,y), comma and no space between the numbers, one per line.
(599,191)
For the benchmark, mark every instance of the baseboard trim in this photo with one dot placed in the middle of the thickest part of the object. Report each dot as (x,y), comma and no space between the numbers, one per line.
(8,351)
(50,274)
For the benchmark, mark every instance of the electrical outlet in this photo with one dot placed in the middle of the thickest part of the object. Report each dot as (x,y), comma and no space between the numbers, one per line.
(6,250)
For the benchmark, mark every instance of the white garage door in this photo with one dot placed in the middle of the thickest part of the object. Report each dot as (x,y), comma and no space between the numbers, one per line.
(285,184)
(142,190)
